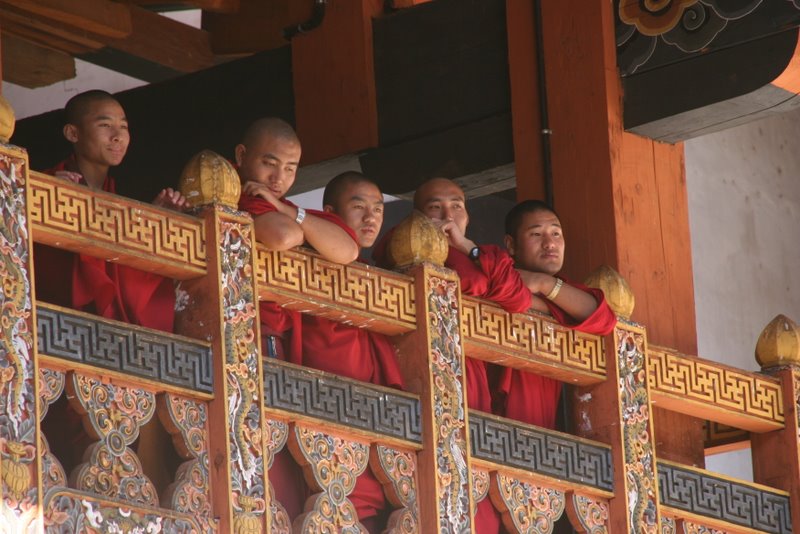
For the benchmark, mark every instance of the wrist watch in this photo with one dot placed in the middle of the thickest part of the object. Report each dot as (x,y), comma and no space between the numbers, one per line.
(474,253)
(301,215)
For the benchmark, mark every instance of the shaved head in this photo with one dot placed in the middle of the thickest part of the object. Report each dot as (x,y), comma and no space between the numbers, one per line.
(269,127)
(339,183)
(431,186)
(79,105)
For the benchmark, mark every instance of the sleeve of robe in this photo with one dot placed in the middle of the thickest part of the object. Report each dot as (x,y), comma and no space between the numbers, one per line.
(532,398)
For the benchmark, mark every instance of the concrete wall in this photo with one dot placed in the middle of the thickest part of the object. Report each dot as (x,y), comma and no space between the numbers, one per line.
(744,209)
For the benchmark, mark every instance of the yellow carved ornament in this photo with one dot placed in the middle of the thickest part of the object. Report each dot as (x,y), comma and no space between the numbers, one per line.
(779,343)
(616,289)
(15,474)
(7,120)
(417,240)
(209,178)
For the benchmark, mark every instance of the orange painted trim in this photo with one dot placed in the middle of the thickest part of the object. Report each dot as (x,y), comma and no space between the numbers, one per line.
(789,79)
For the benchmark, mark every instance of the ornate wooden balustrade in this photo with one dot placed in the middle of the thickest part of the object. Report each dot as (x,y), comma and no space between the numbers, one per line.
(180,430)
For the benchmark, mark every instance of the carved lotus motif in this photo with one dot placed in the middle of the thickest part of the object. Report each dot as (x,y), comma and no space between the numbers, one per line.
(209,178)
(417,240)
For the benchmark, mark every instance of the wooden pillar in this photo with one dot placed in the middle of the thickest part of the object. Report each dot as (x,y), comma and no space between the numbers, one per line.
(20,442)
(223,304)
(621,198)
(333,72)
(776,454)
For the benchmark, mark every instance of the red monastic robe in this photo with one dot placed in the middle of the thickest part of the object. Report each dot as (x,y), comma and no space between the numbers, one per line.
(532,398)
(336,348)
(104,288)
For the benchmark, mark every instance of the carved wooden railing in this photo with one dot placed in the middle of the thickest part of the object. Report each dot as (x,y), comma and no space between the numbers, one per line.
(224,413)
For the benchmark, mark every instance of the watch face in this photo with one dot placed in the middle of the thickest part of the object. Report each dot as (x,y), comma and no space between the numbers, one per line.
(474,253)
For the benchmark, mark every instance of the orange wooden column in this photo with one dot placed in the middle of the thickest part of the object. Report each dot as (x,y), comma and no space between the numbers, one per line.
(621,198)
(334,82)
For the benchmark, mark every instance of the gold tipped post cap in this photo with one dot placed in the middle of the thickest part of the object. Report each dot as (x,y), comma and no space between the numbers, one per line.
(616,289)
(417,240)
(7,120)
(208,178)
(779,343)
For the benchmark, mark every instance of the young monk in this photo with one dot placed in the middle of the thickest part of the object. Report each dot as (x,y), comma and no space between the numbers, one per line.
(347,350)
(486,271)
(535,239)
(97,128)
(267,160)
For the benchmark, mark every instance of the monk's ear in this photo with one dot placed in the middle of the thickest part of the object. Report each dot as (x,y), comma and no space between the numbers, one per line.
(238,153)
(327,208)
(71,133)
(508,241)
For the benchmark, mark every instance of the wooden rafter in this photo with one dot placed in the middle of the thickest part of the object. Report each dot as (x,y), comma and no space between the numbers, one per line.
(217,6)
(30,65)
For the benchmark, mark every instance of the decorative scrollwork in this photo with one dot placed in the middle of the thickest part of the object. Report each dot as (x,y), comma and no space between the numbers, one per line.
(187,421)
(115,414)
(668,525)
(493,334)
(335,464)
(754,398)
(638,450)
(277,434)
(588,515)
(480,485)
(364,295)
(51,386)
(526,507)
(397,471)
(18,404)
(687,527)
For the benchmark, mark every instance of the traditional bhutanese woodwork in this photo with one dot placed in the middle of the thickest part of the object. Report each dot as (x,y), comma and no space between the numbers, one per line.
(225,413)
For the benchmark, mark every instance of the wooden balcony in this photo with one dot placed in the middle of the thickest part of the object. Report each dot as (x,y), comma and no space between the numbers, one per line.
(180,430)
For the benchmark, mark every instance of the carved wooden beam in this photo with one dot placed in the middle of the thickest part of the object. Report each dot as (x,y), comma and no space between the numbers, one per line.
(31,65)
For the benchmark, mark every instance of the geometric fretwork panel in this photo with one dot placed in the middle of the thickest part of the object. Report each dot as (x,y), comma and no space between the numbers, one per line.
(346,402)
(356,294)
(538,342)
(131,350)
(543,452)
(745,399)
(698,492)
(74,217)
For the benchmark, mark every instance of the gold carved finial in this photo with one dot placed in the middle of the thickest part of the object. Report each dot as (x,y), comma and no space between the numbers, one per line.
(416,240)
(616,289)
(209,178)
(779,343)
(7,120)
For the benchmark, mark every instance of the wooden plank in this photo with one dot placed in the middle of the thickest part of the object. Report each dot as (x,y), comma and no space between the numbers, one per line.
(30,65)
(255,26)
(42,38)
(45,31)
(334,82)
(102,17)
(217,6)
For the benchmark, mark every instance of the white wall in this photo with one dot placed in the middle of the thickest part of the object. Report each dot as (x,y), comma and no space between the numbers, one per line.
(744,216)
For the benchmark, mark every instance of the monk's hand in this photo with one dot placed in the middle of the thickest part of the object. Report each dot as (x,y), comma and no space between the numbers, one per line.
(455,237)
(260,190)
(75,177)
(171,199)
(537,283)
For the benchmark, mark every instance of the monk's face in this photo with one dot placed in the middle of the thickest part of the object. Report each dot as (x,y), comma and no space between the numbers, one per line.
(360,205)
(539,243)
(101,136)
(271,161)
(443,200)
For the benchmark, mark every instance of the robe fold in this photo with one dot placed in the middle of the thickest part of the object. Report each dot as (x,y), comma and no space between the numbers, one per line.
(101,287)
(336,348)
(532,398)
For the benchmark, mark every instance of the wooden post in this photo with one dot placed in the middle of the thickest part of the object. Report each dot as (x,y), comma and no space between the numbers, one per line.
(20,442)
(333,71)
(223,304)
(621,198)
(776,454)
(432,362)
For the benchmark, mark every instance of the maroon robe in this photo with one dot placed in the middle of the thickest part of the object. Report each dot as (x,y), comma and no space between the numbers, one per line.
(101,287)
(532,398)
(336,348)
